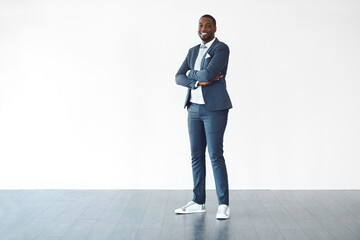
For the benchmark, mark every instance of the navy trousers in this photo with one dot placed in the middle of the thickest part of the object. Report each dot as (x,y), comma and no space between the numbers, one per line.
(207,128)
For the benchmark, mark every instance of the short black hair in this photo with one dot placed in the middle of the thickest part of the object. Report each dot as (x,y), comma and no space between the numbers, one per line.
(209,16)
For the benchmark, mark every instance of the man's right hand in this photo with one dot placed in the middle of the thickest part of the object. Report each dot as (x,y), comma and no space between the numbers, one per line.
(208,83)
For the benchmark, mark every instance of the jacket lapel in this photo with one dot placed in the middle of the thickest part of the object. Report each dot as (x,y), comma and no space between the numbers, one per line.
(194,56)
(209,50)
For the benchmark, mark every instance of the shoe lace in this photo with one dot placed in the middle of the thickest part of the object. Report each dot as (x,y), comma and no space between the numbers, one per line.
(188,205)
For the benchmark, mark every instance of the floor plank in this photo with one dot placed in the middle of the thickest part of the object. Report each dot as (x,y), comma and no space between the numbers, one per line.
(149,214)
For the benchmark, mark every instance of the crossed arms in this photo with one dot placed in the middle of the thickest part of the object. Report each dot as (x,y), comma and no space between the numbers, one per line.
(206,76)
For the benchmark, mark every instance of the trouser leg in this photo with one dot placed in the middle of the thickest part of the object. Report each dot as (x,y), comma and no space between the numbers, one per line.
(215,124)
(198,146)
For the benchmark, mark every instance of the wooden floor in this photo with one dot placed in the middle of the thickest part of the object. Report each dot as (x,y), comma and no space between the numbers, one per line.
(149,214)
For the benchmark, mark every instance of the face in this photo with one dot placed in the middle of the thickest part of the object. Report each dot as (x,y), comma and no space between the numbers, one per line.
(206,29)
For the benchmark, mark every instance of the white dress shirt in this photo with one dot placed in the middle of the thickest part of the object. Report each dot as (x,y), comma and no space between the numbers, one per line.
(196,94)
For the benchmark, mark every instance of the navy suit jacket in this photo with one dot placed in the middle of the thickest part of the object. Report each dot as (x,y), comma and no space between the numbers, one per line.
(215,95)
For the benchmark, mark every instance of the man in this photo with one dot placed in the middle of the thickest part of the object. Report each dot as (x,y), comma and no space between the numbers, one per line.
(203,72)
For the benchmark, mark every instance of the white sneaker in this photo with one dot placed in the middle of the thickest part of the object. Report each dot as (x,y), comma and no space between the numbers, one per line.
(223,212)
(191,207)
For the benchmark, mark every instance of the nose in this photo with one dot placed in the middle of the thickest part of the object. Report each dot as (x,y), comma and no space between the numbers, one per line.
(202,29)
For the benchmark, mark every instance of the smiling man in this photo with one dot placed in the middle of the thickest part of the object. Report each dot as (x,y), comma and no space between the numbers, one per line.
(203,72)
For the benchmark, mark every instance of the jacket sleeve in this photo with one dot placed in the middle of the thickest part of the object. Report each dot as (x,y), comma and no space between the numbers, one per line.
(217,63)
(181,78)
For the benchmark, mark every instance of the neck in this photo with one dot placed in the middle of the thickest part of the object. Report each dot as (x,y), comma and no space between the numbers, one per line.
(205,42)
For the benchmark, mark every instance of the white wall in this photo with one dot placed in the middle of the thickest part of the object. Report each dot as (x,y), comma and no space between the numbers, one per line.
(88,97)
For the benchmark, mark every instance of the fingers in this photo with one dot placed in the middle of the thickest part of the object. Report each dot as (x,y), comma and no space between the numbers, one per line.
(218,77)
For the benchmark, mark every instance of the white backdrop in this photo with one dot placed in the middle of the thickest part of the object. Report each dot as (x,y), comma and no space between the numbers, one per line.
(88,96)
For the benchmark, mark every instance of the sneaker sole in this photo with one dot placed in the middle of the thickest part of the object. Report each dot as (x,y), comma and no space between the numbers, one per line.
(222,218)
(187,212)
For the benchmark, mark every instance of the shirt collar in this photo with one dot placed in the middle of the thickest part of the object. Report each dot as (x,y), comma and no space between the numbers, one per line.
(208,45)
